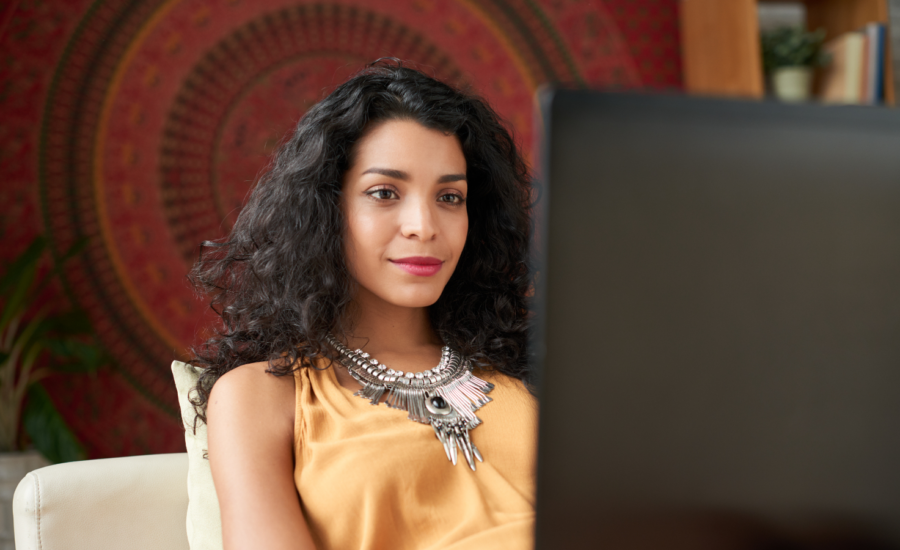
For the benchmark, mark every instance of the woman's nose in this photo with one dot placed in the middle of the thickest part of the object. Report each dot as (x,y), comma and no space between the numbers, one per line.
(418,219)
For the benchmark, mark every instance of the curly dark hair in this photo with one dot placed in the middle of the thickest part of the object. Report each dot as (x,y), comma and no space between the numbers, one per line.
(279,281)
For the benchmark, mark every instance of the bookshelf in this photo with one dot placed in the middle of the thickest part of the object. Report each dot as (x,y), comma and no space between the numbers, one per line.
(720,41)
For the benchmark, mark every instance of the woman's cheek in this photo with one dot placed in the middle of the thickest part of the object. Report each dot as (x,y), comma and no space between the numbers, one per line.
(364,227)
(460,234)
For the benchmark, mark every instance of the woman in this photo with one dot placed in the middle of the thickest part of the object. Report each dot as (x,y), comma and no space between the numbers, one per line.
(394,221)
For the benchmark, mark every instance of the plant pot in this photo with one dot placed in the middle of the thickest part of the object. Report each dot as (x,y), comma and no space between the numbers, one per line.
(13,467)
(792,83)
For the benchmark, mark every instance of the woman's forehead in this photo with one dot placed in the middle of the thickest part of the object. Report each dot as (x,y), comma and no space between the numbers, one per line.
(406,147)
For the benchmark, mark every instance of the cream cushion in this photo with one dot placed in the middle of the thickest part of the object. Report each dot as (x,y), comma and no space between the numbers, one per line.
(134,502)
(204,522)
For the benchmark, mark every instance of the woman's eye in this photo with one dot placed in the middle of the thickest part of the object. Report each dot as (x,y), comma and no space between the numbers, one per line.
(382,194)
(452,198)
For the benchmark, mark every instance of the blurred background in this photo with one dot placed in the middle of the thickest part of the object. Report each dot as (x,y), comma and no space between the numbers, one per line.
(132,130)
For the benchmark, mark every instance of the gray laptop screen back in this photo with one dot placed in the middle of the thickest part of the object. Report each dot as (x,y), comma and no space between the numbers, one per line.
(718,310)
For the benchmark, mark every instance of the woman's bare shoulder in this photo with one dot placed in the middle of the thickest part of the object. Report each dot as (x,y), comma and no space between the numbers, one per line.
(251,456)
(249,390)
(254,376)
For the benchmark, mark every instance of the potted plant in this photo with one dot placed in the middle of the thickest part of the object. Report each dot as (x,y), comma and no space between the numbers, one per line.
(789,55)
(34,343)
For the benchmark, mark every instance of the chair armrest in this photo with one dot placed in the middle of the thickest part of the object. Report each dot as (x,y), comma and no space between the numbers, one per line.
(136,502)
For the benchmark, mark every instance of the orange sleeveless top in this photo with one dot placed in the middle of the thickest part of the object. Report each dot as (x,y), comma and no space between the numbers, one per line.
(368,477)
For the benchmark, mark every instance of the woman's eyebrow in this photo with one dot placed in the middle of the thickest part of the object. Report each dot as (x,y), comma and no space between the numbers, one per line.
(403,176)
(451,177)
(396,174)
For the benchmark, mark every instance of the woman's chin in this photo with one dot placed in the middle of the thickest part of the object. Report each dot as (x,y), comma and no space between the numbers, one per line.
(414,299)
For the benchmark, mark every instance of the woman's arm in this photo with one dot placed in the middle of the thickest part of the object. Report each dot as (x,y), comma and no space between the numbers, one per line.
(250,429)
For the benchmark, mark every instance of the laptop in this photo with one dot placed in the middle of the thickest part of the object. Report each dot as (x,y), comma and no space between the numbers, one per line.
(717,324)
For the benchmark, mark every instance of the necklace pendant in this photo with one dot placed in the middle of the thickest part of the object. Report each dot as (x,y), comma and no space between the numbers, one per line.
(446,397)
(454,435)
(452,429)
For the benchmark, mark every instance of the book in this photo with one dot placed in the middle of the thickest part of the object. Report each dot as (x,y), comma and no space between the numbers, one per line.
(875,45)
(842,80)
(867,58)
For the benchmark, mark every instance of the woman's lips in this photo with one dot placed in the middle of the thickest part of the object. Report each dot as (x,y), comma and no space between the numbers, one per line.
(423,266)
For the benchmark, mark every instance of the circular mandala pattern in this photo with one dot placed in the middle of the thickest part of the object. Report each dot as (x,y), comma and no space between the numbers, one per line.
(237,102)
(162,113)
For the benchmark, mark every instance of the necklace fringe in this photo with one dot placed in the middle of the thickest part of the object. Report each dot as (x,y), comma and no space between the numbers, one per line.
(446,397)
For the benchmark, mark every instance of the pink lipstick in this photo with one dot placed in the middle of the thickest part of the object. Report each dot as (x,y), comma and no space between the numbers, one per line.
(423,266)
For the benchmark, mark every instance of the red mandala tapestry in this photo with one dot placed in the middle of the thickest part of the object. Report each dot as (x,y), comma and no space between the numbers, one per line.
(143,124)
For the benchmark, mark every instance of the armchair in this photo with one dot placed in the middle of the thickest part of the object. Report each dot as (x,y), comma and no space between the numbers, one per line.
(137,502)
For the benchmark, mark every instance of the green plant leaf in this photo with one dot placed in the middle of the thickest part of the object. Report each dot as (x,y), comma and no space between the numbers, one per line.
(74,321)
(792,47)
(83,356)
(70,323)
(17,300)
(34,330)
(26,260)
(18,283)
(74,250)
(51,329)
(47,429)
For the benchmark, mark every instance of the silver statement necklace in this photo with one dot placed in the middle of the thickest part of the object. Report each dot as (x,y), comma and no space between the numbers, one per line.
(446,396)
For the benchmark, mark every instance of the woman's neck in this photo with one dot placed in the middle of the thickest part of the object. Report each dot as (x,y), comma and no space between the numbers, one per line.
(401,337)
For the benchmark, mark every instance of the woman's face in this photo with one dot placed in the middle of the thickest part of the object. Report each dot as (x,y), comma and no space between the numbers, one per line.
(404,201)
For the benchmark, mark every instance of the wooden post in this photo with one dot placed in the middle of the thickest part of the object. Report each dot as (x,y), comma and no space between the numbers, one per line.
(720,48)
